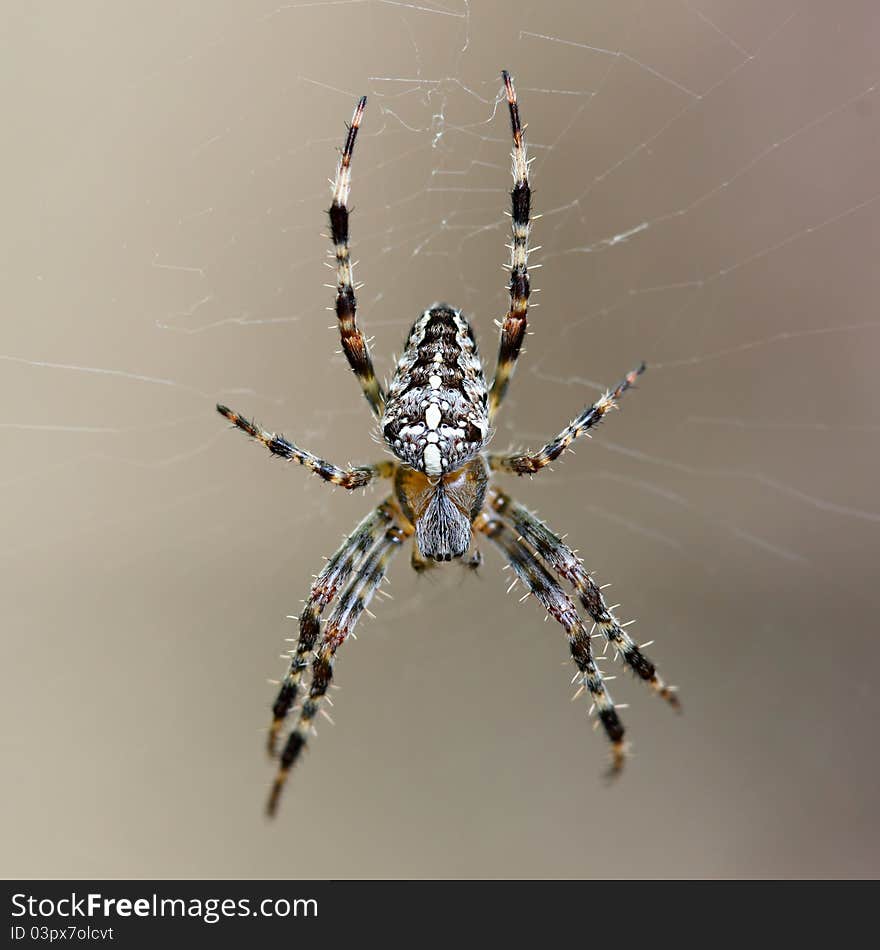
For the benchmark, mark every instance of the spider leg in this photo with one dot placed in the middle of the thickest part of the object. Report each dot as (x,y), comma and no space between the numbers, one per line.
(474,561)
(324,590)
(561,559)
(350,477)
(541,584)
(513,329)
(530,462)
(354,344)
(352,603)
(420,564)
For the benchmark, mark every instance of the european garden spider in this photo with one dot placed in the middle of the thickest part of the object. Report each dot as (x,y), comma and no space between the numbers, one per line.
(437,418)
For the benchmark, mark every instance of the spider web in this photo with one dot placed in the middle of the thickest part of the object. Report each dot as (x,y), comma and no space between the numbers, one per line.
(706,176)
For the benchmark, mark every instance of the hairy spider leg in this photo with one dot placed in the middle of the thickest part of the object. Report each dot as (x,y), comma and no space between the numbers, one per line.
(531,462)
(513,329)
(354,345)
(326,586)
(540,583)
(352,603)
(559,557)
(349,477)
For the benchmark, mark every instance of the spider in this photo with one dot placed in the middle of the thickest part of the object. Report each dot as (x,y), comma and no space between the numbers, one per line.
(437,419)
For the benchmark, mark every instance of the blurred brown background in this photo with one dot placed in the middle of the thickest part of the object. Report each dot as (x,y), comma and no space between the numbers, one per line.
(707,172)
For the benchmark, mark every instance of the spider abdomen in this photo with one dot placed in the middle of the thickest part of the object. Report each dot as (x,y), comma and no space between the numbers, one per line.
(435,417)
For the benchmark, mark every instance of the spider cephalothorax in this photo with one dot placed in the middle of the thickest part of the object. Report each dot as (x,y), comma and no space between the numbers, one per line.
(437,420)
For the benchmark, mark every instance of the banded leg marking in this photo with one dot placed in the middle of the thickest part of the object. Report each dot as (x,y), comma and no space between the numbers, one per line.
(513,329)
(350,477)
(531,462)
(324,589)
(561,559)
(539,582)
(352,603)
(354,345)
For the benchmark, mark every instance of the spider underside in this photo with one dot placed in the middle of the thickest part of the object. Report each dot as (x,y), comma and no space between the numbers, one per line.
(437,419)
